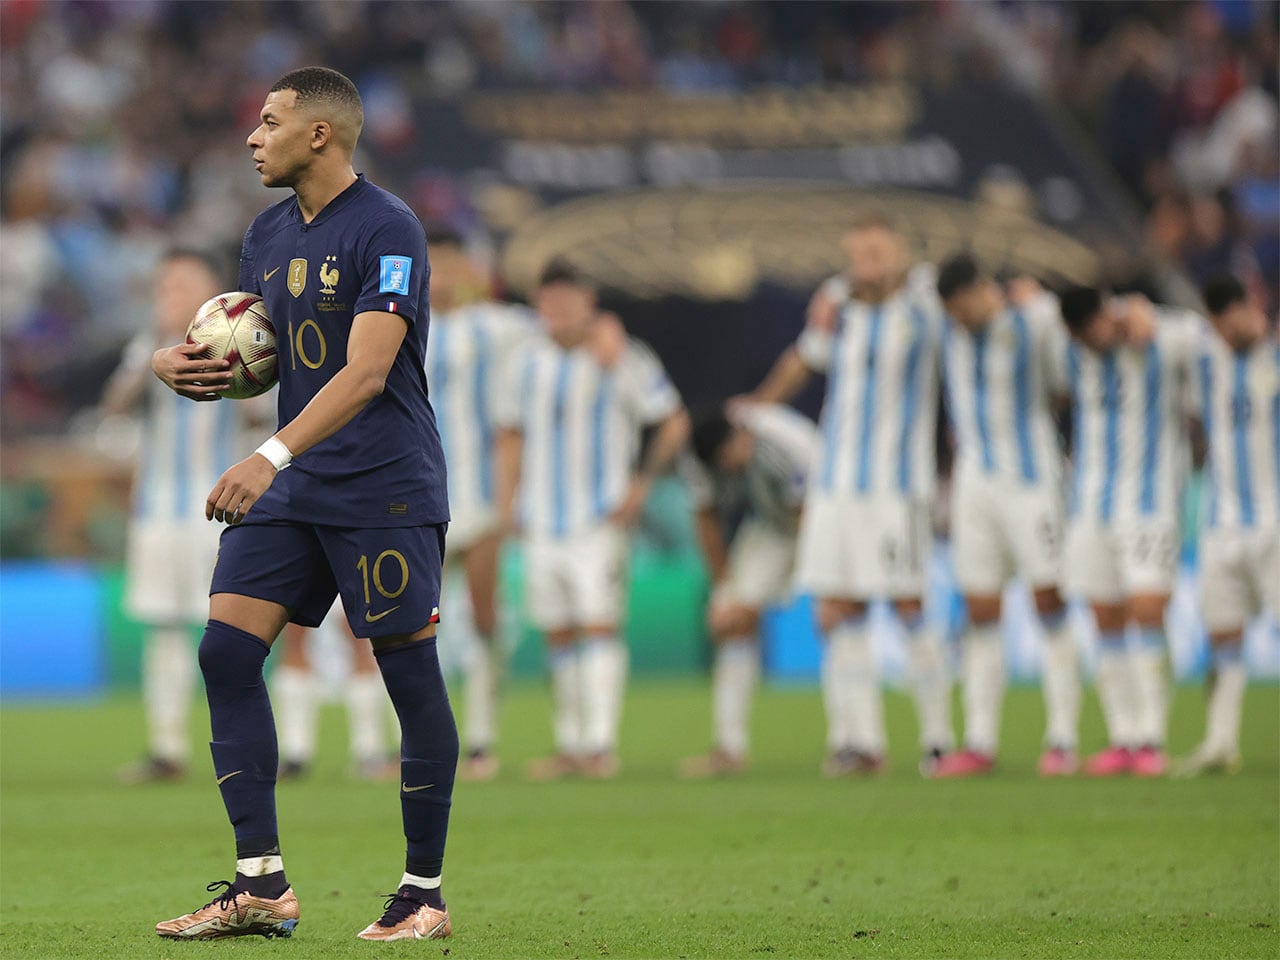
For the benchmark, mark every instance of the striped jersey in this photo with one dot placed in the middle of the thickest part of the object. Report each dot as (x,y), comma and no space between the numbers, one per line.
(772,486)
(186,446)
(879,416)
(1129,453)
(466,353)
(999,383)
(581,425)
(1237,398)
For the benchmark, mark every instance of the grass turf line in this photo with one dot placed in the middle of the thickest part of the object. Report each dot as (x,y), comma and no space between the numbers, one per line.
(780,863)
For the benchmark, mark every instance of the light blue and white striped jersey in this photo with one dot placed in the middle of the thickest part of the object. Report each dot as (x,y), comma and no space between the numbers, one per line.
(999,385)
(186,445)
(467,350)
(879,416)
(1129,453)
(1237,398)
(581,425)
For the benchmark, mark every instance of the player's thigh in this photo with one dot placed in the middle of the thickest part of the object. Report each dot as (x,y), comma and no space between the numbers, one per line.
(1149,557)
(1033,526)
(547,597)
(389,577)
(1226,595)
(978,554)
(1091,564)
(891,556)
(277,561)
(167,571)
(598,575)
(480,565)
(825,552)
(761,561)
(1265,564)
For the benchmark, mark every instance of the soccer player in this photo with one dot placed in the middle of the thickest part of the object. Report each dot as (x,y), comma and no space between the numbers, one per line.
(748,467)
(348,497)
(1237,398)
(570,433)
(866,529)
(1002,366)
(1129,461)
(171,548)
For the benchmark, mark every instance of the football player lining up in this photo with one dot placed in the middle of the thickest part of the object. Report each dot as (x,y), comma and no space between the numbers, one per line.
(1002,368)
(867,528)
(569,440)
(360,510)
(750,466)
(1129,461)
(1236,396)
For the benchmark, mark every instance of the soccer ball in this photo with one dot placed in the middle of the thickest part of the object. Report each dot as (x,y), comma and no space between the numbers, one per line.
(235,326)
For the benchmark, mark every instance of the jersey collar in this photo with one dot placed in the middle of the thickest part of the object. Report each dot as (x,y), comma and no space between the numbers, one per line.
(337,203)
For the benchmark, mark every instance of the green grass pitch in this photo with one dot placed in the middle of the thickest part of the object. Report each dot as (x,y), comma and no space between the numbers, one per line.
(778,864)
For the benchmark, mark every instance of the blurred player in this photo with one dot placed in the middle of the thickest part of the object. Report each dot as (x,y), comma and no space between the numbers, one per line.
(171,548)
(570,432)
(750,467)
(1129,463)
(867,528)
(1237,386)
(342,268)
(1002,366)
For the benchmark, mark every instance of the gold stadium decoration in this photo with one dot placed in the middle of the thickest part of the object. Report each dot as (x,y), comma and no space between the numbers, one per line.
(719,243)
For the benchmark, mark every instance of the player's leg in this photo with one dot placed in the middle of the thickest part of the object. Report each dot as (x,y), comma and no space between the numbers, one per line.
(1116,691)
(480,566)
(1147,664)
(549,604)
(599,596)
(983,682)
(366,698)
(295,694)
(850,689)
(930,678)
(1061,681)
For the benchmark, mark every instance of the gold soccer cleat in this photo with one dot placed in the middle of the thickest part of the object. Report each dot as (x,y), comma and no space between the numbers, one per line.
(235,913)
(408,918)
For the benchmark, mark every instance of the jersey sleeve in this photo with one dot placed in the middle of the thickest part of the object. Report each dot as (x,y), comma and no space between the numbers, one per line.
(1052,341)
(792,435)
(650,391)
(514,370)
(392,265)
(248,280)
(815,344)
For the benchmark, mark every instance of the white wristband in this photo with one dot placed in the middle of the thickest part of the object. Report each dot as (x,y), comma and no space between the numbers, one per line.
(276,453)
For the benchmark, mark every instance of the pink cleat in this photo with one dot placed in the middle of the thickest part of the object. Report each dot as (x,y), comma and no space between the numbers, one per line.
(1150,762)
(1111,762)
(964,763)
(1058,762)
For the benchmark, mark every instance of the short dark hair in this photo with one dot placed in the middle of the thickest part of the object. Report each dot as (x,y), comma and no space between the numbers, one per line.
(1079,306)
(561,270)
(711,430)
(442,235)
(1222,292)
(321,84)
(957,273)
(208,259)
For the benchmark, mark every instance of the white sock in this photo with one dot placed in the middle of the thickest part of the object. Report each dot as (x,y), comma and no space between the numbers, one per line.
(425,883)
(1226,701)
(1150,686)
(854,673)
(260,866)
(168,675)
(365,694)
(1116,689)
(566,693)
(604,678)
(1061,681)
(931,685)
(293,695)
(982,652)
(482,695)
(733,681)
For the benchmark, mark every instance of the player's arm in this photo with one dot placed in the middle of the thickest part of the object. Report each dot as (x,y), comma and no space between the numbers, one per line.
(711,542)
(125,388)
(189,375)
(371,350)
(664,445)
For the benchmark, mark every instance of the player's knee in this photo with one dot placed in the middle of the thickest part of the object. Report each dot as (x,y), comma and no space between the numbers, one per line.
(909,609)
(831,613)
(983,609)
(1049,602)
(1147,610)
(228,655)
(734,622)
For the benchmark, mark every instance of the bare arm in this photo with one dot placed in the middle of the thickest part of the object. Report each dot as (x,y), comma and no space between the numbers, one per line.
(667,441)
(711,540)
(788,377)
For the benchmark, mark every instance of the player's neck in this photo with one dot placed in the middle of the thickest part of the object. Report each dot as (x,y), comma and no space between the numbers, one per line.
(317,189)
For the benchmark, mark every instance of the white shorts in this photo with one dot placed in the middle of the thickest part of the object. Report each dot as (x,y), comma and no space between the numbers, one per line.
(467,526)
(1239,576)
(1109,564)
(761,561)
(168,568)
(855,549)
(1001,529)
(578,581)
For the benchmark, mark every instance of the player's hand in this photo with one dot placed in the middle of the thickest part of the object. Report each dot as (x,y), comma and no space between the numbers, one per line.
(190,376)
(627,515)
(239,489)
(1139,317)
(822,312)
(608,339)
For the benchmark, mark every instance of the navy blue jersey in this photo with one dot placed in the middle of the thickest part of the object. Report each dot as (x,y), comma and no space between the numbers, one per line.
(364,251)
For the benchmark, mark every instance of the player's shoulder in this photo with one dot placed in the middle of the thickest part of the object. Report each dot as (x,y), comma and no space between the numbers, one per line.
(376,208)
(270,221)
(780,424)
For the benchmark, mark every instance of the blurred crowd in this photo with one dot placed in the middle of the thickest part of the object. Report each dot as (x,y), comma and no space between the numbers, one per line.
(122,120)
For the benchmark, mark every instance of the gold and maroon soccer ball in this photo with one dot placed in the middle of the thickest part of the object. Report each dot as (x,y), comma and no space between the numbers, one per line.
(235,326)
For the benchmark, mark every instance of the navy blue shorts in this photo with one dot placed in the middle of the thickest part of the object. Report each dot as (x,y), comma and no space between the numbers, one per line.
(389,578)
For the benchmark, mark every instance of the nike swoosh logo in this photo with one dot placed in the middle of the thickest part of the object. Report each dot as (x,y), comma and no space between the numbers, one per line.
(267,276)
(374,618)
(222,780)
(408,789)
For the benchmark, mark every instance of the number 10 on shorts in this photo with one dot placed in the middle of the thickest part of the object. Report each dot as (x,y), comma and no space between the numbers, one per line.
(388,564)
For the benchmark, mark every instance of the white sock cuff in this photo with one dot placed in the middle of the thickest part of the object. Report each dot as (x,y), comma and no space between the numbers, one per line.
(426,883)
(259,866)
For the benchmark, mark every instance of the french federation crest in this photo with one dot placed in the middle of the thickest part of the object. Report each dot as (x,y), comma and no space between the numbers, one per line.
(297,276)
(329,276)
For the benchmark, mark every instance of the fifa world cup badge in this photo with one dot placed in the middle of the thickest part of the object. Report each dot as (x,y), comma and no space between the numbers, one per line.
(297,276)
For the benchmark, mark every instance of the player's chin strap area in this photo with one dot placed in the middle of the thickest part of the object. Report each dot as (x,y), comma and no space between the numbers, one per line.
(276,452)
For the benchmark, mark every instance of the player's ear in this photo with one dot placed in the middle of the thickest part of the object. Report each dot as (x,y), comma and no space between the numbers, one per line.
(321,134)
